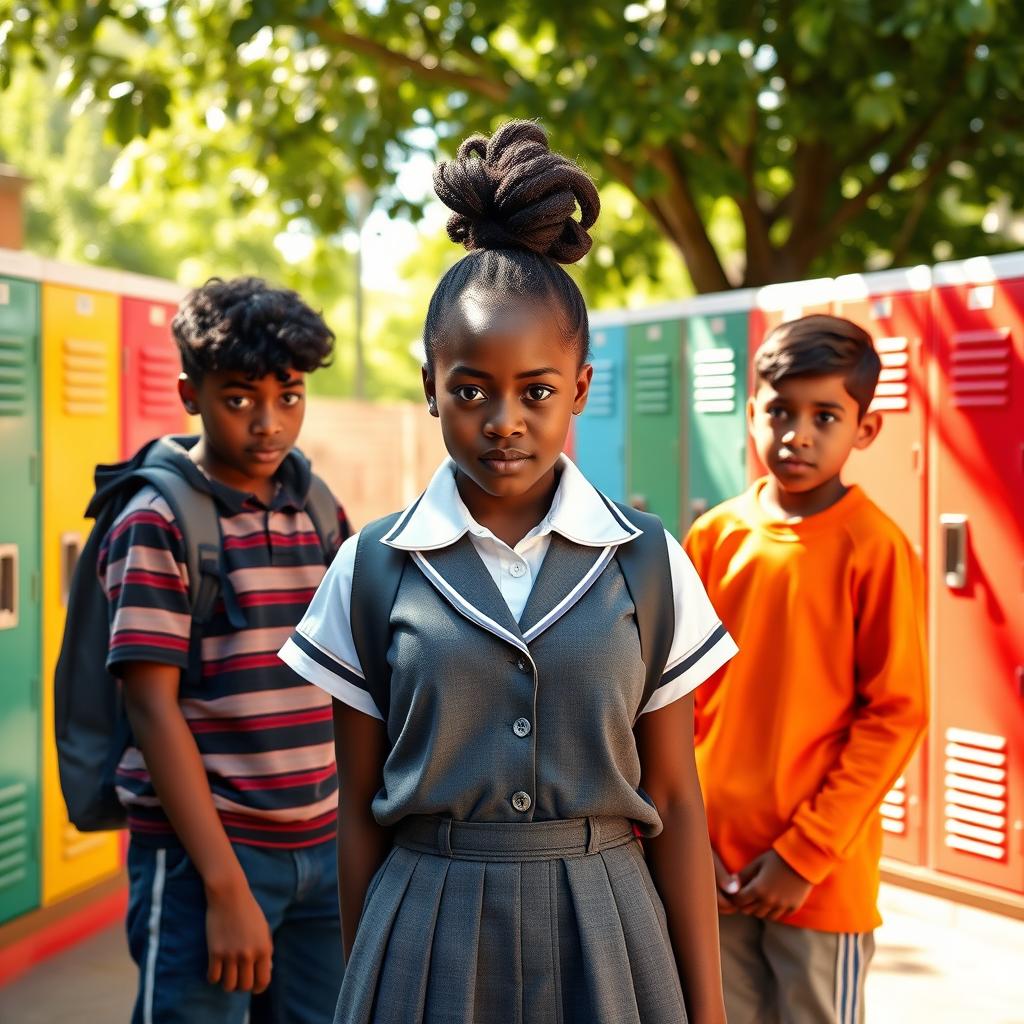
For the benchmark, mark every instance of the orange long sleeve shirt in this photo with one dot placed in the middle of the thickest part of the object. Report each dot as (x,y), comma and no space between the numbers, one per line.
(801,735)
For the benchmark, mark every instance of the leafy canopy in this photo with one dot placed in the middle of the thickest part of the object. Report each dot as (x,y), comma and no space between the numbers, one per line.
(809,135)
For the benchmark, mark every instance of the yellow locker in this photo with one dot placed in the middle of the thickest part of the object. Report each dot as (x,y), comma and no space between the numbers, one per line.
(81,426)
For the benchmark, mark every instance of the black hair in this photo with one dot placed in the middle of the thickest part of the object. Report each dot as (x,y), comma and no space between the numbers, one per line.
(247,326)
(513,202)
(820,346)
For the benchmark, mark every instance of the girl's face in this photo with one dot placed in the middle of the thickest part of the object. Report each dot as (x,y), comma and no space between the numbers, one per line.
(504,386)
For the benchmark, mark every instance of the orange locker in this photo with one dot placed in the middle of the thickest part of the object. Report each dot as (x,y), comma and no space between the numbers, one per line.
(894,308)
(150,369)
(976,551)
(81,426)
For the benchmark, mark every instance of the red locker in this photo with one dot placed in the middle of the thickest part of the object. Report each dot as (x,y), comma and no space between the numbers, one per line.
(776,304)
(976,547)
(151,406)
(894,308)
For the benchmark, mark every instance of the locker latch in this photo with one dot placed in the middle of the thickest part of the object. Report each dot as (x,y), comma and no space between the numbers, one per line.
(954,550)
(70,549)
(8,586)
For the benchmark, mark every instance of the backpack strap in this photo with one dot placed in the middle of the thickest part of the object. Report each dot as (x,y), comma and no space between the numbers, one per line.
(645,567)
(322,508)
(376,575)
(196,516)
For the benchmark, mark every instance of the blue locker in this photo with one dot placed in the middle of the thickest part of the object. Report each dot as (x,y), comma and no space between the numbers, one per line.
(601,429)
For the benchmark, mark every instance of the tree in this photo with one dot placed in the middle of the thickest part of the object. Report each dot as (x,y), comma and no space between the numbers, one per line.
(838,135)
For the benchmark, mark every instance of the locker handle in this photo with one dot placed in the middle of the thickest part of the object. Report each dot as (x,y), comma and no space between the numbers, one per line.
(70,549)
(9,586)
(954,548)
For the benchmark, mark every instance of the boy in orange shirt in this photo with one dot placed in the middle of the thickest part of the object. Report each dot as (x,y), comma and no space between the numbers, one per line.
(802,734)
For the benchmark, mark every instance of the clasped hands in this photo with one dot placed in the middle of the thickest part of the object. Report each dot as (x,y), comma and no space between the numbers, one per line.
(767,888)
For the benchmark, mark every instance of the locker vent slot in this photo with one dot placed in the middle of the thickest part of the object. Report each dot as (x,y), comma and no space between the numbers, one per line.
(652,385)
(894,808)
(14,367)
(893,391)
(602,389)
(975,798)
(75,844)
(980,374)
(158,373)
(714,380)
(14,835)
(86,388)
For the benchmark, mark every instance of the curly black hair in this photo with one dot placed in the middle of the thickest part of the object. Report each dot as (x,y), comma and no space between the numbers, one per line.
(246,326)
(513,202)
(820,346)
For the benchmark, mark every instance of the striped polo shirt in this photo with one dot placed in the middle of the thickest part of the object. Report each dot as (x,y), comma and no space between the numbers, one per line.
(264,734)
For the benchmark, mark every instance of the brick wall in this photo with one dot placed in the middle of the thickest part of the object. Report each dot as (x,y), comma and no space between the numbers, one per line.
(376,456)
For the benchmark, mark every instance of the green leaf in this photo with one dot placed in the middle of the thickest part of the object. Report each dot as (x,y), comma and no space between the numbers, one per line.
(975,16)
(976,79)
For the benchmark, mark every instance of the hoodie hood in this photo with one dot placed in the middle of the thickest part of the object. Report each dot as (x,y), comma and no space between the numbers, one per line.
(172,453)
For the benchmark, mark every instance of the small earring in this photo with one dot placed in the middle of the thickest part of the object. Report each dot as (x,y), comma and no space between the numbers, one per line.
(432,404)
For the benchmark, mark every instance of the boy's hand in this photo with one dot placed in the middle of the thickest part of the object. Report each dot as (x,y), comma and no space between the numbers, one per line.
(239,942)
(771,888)
(726,885)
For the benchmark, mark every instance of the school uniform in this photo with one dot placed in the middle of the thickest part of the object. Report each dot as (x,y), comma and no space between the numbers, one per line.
(516,890)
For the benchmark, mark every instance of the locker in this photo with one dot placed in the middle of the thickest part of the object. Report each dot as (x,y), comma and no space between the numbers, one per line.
(19,598)
(717,328)
(150,369)
(81,426)
(894,307)
(775,304)
(976,552)
(654,478)
(601,429)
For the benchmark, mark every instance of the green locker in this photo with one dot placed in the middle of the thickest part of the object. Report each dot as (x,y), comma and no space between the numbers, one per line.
(655,450)
(717,328)
(19,598)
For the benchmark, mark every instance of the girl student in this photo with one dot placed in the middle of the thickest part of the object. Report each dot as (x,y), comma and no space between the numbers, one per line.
(494,777)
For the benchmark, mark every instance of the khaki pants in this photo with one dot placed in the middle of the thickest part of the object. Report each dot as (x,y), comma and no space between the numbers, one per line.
(778,974)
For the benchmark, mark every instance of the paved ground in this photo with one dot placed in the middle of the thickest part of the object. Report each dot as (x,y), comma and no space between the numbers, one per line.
(936,962)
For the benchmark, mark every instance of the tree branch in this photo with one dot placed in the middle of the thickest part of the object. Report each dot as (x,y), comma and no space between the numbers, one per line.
(495,90)
(677,214)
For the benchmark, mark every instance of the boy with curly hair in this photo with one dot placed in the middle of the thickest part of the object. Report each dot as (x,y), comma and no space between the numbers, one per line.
(229,783)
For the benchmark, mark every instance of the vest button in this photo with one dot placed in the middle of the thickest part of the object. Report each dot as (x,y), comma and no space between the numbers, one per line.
(521,801)
(522,664)
(521,727)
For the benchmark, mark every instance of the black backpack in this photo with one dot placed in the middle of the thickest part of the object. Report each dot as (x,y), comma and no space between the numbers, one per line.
(377,573)
(89,718)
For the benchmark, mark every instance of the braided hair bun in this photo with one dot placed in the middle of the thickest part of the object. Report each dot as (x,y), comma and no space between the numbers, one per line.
(511,192)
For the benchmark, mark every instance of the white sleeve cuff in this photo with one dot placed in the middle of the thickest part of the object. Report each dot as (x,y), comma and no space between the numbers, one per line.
(314,664)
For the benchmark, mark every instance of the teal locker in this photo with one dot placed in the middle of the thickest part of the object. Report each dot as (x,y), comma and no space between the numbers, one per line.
(716,393)
(655,428)
(20,648)
(600,442)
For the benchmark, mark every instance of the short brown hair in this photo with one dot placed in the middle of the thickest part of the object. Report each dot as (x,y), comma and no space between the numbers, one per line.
(821,346)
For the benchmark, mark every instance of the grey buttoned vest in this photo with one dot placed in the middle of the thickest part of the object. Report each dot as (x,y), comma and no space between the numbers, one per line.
(489,719)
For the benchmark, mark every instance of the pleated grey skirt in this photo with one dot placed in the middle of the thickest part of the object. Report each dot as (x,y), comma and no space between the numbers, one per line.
(541,923)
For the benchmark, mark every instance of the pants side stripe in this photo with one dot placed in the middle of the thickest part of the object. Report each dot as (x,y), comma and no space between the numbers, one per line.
(156,899)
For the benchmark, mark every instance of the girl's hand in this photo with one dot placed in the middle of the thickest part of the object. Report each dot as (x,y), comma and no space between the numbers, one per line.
(771,888)
(239,942)
(726,885)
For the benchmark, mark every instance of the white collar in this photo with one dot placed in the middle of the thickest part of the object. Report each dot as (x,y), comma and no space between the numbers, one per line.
(579,512)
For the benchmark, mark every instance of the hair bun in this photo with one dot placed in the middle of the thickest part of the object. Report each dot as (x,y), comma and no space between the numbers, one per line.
(511,192)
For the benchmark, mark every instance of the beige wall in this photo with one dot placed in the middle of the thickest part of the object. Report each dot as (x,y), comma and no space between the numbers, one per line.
(376,456)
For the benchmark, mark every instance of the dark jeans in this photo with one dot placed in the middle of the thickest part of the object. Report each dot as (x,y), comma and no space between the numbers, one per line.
(297,891)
